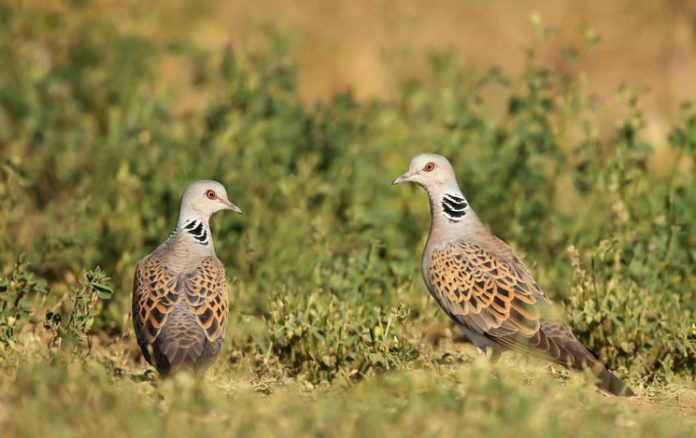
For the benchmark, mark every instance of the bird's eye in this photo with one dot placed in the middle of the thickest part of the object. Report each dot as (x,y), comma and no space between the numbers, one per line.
(210,194)
(428,167)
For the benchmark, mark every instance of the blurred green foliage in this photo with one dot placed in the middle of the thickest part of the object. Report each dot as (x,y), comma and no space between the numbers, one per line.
(325,275)
(85,301)
(20,292)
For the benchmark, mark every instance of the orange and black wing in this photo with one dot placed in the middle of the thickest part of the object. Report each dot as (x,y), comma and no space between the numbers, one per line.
(206,296)
(180,320)
(501,300)
(154,297)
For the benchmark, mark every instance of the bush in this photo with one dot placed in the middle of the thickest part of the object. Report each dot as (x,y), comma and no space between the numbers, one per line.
(325,267)
(20,294)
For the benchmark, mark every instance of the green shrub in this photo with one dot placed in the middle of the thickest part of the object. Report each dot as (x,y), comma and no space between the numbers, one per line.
(326,286)
(85,308)
(20,293)
(99,159)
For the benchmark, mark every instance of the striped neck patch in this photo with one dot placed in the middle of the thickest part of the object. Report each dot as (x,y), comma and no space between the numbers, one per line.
(453,207)
(198,231)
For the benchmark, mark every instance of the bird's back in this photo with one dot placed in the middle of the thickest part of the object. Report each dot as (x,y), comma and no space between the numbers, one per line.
(179,308)
(489,291)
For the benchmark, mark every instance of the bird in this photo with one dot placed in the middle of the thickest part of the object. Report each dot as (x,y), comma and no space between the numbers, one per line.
(483,286)
(180,303)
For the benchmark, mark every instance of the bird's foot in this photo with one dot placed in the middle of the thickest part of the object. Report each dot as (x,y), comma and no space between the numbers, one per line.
(489,353)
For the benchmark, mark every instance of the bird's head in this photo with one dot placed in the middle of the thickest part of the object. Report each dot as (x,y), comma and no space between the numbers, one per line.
(205,197)
(432,171)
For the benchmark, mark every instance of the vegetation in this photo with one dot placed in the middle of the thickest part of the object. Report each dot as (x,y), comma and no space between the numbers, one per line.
(331,329)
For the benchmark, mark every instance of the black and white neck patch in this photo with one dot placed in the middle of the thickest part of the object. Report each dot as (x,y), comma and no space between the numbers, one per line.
(453,207)
(198,231)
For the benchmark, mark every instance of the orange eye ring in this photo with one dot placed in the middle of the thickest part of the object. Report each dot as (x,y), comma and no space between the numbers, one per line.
(210,194)
(429,167)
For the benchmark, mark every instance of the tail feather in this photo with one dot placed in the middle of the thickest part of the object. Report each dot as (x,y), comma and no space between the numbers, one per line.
(570,352)
(613,384)
(179,345)
(583,358)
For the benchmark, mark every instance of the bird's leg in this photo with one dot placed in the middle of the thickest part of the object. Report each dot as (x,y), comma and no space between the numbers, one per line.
(494,354)
(489,352)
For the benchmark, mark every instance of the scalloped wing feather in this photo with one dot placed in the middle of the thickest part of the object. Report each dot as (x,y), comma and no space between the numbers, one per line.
(500,299)
(485,292)
(494,293)
(156,295)
(206,295)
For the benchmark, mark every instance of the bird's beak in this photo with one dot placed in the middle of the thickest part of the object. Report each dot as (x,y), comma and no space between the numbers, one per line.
(405,177)
(231,206)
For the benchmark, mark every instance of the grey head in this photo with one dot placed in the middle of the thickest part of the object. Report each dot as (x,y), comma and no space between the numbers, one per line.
(203,198)
(435,174)
(431,171)
(200,200)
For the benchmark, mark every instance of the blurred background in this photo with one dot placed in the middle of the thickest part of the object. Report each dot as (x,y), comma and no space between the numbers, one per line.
(371,45)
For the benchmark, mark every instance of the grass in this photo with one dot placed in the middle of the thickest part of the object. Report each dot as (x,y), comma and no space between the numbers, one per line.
(331,329)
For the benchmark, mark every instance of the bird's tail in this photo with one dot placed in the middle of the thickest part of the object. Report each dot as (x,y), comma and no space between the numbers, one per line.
(573,354)
(613,384)
(584,358)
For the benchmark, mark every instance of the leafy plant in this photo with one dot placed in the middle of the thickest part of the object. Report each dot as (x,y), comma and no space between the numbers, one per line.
(97,141)
(20,293)
(85,302)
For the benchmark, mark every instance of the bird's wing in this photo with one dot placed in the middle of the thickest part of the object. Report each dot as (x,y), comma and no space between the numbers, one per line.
(156,294)
(206,296)
(500,299)
(154,298)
